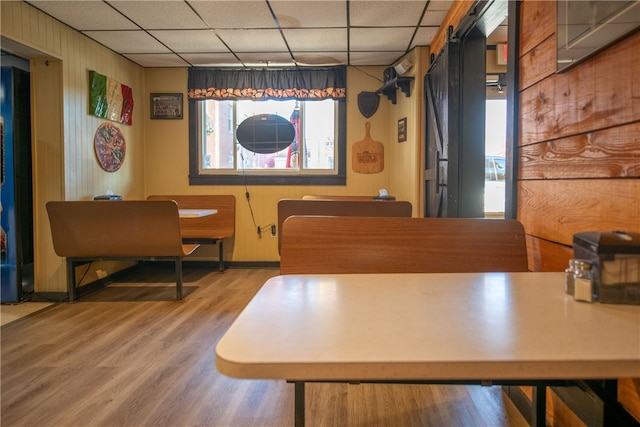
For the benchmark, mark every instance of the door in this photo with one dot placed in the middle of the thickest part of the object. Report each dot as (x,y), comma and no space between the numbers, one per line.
(441,88)
(454,155)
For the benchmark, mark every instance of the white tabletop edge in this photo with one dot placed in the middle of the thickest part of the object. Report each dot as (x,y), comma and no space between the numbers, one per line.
(279,351)
(196,213)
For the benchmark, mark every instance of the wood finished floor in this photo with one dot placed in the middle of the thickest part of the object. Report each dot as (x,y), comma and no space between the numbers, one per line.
(130,355)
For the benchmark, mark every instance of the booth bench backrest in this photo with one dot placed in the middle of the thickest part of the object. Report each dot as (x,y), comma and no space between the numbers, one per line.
(358,208)
(313,245)
(116,228)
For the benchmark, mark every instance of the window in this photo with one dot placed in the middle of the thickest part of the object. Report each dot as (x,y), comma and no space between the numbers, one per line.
(222,120)
(313,150)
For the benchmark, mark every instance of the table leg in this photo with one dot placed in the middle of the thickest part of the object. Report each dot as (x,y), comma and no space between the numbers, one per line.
(71,280)
(299,403)
(178,262)
(539,403)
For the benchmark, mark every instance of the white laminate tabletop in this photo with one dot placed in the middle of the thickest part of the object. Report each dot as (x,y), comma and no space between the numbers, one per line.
(446,326)
(196,213)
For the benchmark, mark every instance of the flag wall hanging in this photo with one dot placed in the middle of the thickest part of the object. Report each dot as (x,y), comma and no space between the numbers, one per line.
(109,99)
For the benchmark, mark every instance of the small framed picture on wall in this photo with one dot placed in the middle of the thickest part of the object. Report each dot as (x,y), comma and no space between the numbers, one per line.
(166,106)
(402,129)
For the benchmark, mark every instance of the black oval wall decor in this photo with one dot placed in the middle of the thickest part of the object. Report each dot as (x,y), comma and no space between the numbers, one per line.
(265,133)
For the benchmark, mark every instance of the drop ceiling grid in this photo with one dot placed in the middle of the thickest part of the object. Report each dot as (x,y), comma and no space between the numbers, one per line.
(254,32)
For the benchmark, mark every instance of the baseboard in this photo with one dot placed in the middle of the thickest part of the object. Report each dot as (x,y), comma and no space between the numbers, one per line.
(56,297)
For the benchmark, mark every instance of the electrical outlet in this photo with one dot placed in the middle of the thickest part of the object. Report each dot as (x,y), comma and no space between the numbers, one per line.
(273,231)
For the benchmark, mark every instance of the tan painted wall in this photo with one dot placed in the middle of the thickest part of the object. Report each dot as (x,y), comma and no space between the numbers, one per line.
(167,163)
(406,158)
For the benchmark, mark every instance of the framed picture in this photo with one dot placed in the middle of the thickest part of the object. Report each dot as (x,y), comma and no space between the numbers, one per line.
(402,130)
(166,106)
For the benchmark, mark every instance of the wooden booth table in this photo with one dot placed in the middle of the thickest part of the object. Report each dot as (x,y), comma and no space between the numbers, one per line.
(475,328)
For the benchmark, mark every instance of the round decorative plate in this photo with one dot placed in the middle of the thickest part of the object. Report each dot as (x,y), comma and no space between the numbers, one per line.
(110,147)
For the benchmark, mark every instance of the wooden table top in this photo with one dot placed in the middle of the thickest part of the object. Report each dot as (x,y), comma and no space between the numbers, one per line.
(446,326)
(196,213)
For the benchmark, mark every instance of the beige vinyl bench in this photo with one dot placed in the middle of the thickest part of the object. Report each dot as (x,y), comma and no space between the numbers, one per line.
(210,229)
(334,207)
(322,244)
(84,231)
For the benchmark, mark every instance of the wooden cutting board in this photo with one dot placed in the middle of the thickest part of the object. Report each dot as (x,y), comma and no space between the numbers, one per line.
(367,155)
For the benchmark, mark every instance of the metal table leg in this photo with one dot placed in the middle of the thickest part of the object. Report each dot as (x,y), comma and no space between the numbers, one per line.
(299,403)
(538,413)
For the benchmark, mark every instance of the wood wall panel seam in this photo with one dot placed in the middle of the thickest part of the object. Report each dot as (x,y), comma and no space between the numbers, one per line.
(555,210)
(539,23)
(606,153)
(538,63)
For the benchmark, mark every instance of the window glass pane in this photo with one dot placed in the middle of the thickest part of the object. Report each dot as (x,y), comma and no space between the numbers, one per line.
(217,135)
(249,160)
(319,135)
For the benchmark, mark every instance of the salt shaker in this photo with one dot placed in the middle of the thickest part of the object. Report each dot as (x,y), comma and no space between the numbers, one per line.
(583,281)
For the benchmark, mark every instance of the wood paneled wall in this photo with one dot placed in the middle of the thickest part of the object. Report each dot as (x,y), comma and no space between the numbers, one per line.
(65,165)
(579,140)
(578,145)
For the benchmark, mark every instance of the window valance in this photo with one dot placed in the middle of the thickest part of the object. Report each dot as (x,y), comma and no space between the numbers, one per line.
(263,84)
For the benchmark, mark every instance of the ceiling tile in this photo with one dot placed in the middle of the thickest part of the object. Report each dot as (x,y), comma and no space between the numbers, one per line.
(320,58)
(190,40)
(212,59)
(158,15)
(156,59)
(374,58)
(253,40)
(127,41)
(85,15)
(433,18)
(260,59)
(332,39)
(383,39)
(385,13)
(440,5)
(424,36)
(499,35)
(310,14)
(234,14)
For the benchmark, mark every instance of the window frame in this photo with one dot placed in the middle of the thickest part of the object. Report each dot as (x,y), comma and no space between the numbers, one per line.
(271,178)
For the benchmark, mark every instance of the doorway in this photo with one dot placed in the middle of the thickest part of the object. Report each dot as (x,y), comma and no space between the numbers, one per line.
(17,281)
(496,123)
(456,104)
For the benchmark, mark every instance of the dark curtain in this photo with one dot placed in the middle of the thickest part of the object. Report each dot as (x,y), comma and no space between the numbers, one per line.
(263,84)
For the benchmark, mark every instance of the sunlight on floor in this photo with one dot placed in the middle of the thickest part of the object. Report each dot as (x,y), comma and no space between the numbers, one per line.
(11,312)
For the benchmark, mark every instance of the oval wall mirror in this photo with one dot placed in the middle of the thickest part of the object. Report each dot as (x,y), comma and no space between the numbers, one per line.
(265,133)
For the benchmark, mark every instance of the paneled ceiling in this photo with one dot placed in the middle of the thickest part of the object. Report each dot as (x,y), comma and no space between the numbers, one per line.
(183,33)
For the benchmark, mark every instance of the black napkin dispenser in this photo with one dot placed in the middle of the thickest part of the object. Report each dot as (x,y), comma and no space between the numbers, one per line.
(108,197)
(615,259)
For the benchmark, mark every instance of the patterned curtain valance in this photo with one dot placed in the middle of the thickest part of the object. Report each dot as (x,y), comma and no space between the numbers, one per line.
(263,84)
